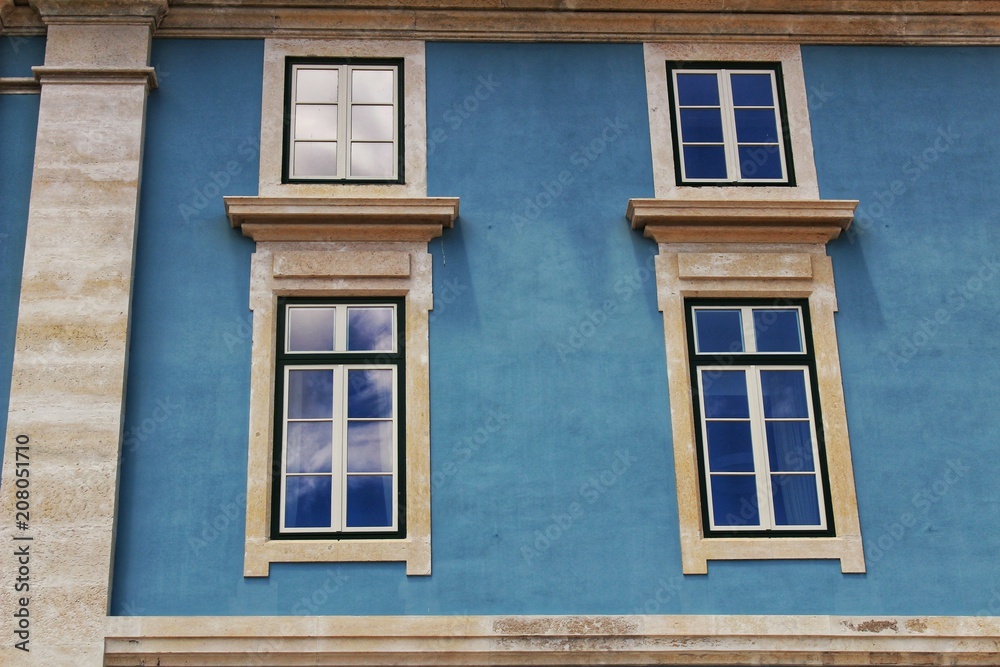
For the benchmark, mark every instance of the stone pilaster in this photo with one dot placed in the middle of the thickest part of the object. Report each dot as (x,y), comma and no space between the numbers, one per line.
(70,359)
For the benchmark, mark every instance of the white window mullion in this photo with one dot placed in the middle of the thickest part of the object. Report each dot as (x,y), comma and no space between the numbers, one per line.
(339,482)
(344,120)
(340,329)
(282,477)
(749,334)
(729,125)
(758,435)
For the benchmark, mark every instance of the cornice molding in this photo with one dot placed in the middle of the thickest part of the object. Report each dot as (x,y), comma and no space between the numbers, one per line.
(19,85)
(95,75)
(342,219)
(728,221)
(553,640)
(813,22)
(100,11)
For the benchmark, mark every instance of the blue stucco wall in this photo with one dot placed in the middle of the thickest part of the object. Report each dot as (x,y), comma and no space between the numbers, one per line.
(18,122)
(553,483)
(912,134)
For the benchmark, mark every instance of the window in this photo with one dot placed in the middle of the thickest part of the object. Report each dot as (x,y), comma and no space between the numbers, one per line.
(760,453)
(729,124)
(344,121)
(339,373)
(759,425)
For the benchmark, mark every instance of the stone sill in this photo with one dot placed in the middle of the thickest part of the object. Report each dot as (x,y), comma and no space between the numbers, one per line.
(342,219)
(729,221)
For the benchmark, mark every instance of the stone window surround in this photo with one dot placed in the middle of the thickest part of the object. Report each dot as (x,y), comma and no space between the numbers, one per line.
(665,186)
(339,248)
(733,249)
(413,107)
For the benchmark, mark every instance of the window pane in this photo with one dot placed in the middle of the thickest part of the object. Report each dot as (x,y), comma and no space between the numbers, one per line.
(371,123)
(372,160)
(369,501)
(316,85)
(756,126)
(751,90)
(369,393)
(316,159)
(729,447)
(697,90)
(307,501)
(725,394)
(719,330)
(316,121)
(734,500)
(310,394)
(701,125)
(760,162)
(309,447)
(310,329)
(789,446)
(369,329)
(777,330)
(705,162)
(784,394)
(369,446)
(795,500)
(371,86)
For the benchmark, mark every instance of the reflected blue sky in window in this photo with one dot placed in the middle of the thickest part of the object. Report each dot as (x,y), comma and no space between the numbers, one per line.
(310,394)
(784,394)
(751,90)
(369,329)
(310,329)
(789,446)
(730,448)
(369,446)
(307,501)
(725,394)
(369,501)
(369,393)
(719,330)
(309,447)
(698,90)
(795,500)
(777,330)
(734,500)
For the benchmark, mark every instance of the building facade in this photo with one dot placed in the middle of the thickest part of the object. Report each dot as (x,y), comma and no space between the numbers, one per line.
(422,333)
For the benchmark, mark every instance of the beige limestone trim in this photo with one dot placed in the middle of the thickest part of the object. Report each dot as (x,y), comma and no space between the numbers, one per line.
(731,259)
(19,85)
(739,221)
(342,219)
(936,22)
(71,351)
(414,110)
(326,261)
(665,186)
(145,12)
(96,75)
(553,640)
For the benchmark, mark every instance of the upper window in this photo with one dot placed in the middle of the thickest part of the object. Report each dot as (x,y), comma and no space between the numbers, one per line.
(757,407)
(344,121)
(729,124)
(338,437)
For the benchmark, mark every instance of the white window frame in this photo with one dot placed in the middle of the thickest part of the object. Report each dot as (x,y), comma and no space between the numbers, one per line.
(345,141)
(734,169)
(762,467)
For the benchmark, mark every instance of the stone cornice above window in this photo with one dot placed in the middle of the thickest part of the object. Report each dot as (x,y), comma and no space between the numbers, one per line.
(342,219)
(730,221)
(100,11)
